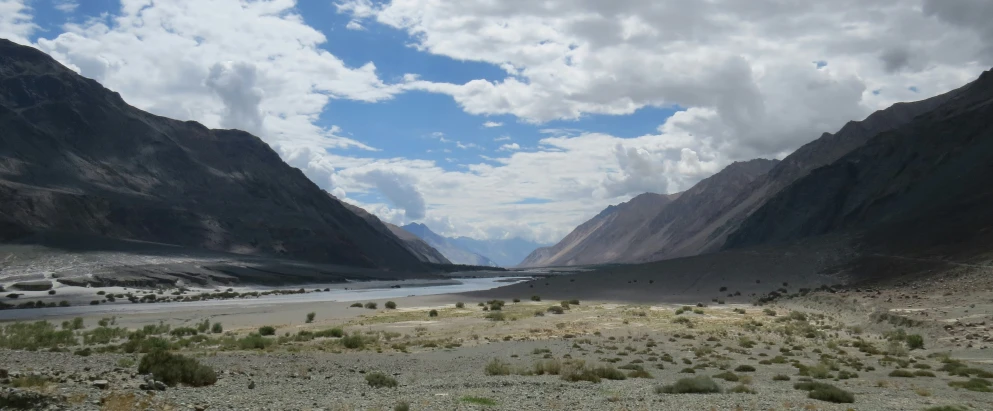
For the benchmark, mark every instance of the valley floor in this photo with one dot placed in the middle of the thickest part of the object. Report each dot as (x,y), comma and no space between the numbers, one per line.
(514,358)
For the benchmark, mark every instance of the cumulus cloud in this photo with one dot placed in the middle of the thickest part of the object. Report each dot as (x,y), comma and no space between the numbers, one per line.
(510,147)
(16,21)
(491,124)
(354,25)
(399,188)
(234,83)
(66,6)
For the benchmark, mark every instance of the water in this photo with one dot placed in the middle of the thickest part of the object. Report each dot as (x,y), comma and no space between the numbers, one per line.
(372,290)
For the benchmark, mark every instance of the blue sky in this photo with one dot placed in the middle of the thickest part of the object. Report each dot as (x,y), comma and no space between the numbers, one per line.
(385,104)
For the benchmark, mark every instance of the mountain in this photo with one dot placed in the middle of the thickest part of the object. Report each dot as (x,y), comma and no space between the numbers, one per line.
(412,243)
(923,187)
(448,248)
(604,237)
(76,159)
(701,219)
(504,252)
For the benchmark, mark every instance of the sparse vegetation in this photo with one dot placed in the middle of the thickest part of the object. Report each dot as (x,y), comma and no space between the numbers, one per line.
(371,306)
(267,330)
(174,369)
(825,392)
(695,385)
(380,380)
(310,317)
(433,313)
(391,305)
(497,367)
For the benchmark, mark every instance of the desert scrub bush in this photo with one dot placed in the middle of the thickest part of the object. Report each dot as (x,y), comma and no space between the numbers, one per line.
(35,336)
(974,384)
(825,392)
(356,305)
(402,406)
(254,341)
(354,341)
(391,305)
(433,313)
(770,312)
(575,371)
(947,408)
(556,309)
(497,316)
(310,317)
(535,298)
(781,377)
(695,385)
(331,332)
(371,306)
(742,389)
(85,352)
(923,373)
(609,372)
(727,376)
(174,369)
(497,367)
(216,328)
(687,371)
(914,342)
(640,373)
(901,374)
(267,330)
(744,368)
(380,380)
(564,305)
(550,367)
(460,305)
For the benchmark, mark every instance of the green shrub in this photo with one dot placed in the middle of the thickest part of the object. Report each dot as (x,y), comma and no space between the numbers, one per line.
(216,328)
(915,342)
(781,377)
(535,298)
(577,371)
(825,392)
(694,385)
(744,368)
(923,373)
(354,341)
(556,309)
(742,389)
(495,316)
(433,313)
(356,305)
(85,352)
(371,306)
(901,374)
(974,384)
(402,406)
(310,317)
(550,367)
(331,332)
(727,376)
(609,373)
(27,381)
(640,374)
(254,341)
(497,367)
(267,330)
(460,305)
(380,380)
(391,305)
(173,369)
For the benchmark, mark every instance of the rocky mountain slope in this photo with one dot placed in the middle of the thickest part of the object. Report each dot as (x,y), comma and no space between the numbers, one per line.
(447,247)
(412,243)
(715,208)
(923,187)
(75,158)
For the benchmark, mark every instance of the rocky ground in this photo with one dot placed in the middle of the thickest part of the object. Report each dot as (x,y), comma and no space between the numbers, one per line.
(477,358)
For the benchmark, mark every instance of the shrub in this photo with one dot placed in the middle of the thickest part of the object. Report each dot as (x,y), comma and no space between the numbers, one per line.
(332,332)
(577,371)
(354,341)
(550,367)
(825,392)
(902,374)
(460,305)
(923,373)
(974,384)
(517,300)
(744,368)
(310,317)
(402,406)
(742,389)
(495,316)
(173,369)
(780,377)
(254,341)
(391,305)
(695,385)
(217,328)
(63,303)
(535,298)
(433,313)
(609,373)
(727,376)
(915,342)
(947,408)
(30,380)
(267,330)
(564,304)
(556,309)
(497,367)
(356,305)
(371,306)
(640,374)
(380,380)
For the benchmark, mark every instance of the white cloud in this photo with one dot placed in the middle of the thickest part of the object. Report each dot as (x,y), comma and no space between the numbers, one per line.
(510,147)
(16,21)
(502,138)
(66,6)
(491,124)
(354,25)
(466,146)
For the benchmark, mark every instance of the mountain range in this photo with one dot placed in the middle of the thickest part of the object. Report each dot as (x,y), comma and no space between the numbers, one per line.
(76,159)
(920,164)
(448,247)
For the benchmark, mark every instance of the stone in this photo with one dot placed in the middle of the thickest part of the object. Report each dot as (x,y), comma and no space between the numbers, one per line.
(101,384)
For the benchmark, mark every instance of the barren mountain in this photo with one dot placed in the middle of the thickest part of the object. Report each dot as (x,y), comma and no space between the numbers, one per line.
(447,247)
(700,220)
(75,158)
(411,242)
(505,252)
(923,187)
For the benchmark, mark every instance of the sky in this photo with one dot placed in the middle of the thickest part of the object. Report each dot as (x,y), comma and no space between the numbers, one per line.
(513,118)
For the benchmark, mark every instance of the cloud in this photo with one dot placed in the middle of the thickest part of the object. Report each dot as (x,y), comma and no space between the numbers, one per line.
(354,25)
(491,124)
(510,147)
(502,138)
(466,146)
(66,6)
(16,21)
(399,188)
(235,84)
